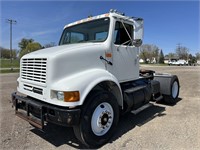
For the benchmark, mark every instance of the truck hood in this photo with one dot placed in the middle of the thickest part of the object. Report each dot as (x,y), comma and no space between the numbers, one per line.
(61,62)
(52,51)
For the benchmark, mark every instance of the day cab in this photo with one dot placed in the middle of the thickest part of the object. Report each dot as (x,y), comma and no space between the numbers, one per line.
(90,79)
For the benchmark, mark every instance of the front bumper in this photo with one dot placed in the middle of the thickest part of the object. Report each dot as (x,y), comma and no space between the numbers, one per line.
(37,112)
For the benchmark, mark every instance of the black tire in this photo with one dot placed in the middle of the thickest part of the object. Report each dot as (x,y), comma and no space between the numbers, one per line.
(100,107)
(174,91)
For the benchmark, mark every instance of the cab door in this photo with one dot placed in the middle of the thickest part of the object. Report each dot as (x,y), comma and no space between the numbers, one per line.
(125,64)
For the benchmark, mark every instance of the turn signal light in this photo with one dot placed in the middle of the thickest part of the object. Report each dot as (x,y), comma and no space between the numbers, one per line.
(109,55)
(71,96)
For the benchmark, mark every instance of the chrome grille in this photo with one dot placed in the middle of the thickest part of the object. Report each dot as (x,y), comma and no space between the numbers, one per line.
(34,69)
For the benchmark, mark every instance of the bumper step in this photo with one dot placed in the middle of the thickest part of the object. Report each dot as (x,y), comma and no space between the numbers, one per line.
(35,122)
(39,113)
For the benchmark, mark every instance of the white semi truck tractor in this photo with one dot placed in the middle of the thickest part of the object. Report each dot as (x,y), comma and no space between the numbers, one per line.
(91,79)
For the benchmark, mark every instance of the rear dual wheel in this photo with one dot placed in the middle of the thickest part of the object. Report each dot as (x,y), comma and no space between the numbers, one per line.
(174,91)
(99,119)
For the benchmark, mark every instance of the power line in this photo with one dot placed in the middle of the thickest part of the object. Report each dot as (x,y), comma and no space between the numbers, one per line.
(11,22)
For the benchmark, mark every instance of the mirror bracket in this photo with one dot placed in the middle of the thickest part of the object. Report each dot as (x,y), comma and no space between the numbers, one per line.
(137,42)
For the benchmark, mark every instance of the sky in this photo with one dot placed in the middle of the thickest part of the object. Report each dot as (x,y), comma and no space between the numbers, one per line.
(166,23)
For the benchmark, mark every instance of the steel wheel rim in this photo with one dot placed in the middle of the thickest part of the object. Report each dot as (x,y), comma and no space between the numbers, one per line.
(102,119)
(175,89)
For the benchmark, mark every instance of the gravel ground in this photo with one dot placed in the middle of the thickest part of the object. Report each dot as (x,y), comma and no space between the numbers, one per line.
(158,127)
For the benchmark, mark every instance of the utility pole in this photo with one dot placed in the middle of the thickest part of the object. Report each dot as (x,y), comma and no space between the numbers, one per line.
(11,22)
(178,51)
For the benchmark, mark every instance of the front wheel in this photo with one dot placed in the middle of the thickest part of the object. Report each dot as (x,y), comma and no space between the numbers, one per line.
(99,119)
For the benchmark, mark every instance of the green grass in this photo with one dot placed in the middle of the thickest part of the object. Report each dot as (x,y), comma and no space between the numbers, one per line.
(6,63)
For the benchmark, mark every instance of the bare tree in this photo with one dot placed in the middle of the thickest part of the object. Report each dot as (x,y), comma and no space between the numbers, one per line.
(149,52)
(198,56)
(171,55)
(182,52)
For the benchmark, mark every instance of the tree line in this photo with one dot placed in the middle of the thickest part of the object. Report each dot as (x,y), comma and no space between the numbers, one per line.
(6,53)
(149,53)
(153,54)
(25,46)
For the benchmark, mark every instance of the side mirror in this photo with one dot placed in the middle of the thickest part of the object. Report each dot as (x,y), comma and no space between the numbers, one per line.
(137,42)
(138,31)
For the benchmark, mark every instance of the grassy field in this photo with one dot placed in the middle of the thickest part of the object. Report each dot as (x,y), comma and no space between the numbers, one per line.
(6,63)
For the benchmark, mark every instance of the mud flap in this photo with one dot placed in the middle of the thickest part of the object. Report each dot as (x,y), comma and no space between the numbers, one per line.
(169,87)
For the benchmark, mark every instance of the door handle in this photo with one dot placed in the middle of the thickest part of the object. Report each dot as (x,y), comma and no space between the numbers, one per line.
(110,63)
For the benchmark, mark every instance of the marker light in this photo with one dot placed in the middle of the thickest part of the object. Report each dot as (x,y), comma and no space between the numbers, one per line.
(109,55)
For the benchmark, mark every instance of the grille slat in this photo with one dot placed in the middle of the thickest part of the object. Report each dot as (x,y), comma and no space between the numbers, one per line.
(34,73)
(34,69)
(33,89)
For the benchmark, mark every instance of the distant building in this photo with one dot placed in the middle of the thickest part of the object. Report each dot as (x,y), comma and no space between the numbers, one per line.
(153,61)
(167,59)
(141,61)
(198,62)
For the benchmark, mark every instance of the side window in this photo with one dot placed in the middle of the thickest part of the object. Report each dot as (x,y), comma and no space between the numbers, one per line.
(120,35)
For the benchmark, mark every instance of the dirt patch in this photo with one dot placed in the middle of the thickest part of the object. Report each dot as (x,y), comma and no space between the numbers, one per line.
(158,127)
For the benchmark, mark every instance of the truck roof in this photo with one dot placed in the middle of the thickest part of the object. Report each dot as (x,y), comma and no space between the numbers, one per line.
(111,13)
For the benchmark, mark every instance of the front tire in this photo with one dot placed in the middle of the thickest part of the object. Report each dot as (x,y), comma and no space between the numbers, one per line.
(99,118)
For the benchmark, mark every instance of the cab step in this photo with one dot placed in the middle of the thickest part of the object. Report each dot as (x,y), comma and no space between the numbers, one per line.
(158,98)
(141,108)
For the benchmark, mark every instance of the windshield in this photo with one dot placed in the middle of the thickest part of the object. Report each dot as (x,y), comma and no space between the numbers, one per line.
(92,31)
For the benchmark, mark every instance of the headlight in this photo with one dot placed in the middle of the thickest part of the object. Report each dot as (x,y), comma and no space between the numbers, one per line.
(60,96)
(73,96)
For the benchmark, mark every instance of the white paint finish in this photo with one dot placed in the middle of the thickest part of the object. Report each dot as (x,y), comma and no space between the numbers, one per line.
(84,82)
(125,63)
(78,67)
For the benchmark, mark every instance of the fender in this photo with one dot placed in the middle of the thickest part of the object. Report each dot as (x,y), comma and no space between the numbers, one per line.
(84,82)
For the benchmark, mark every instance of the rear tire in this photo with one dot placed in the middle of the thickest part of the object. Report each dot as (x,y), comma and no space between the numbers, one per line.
(174,91)
(99,118)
